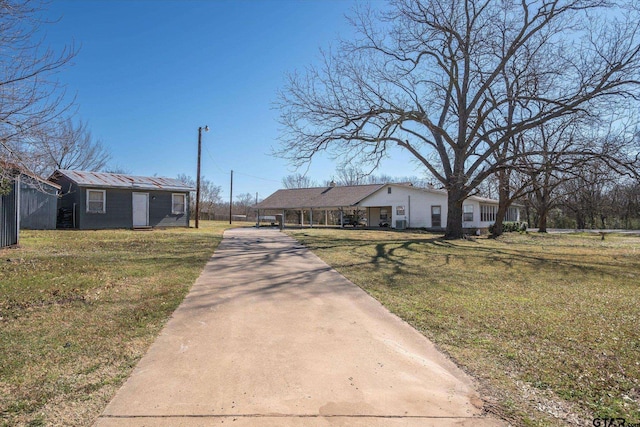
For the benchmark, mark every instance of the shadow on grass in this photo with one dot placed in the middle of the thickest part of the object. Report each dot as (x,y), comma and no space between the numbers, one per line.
(402,255)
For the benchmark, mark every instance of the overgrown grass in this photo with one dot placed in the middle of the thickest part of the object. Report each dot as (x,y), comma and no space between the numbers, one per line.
(549,324)
(79,308)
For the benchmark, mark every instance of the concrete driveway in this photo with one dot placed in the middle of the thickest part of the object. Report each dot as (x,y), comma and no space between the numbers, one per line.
(270,335)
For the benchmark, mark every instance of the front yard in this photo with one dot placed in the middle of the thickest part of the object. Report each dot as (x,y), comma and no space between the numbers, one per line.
(549,324)
(79,308)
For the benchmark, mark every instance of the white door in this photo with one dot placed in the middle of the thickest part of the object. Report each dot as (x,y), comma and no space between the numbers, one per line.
(140,209)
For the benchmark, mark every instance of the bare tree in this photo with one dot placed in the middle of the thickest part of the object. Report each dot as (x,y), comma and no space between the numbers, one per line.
(588,195)
(298,180)
(628,204)
(548,170)
(66,145)
(209,194)
(186,179)
(117,169)
(428,77)
(594,197)
(244,202)
(536,161)
(353,175)
(350,175)
(30,97)
(384,179)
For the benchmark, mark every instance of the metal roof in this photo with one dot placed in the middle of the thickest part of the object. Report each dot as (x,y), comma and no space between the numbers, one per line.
(117,180)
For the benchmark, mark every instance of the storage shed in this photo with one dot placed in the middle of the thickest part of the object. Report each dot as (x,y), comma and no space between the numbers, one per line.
(38,203)
(26,202)
(98,200)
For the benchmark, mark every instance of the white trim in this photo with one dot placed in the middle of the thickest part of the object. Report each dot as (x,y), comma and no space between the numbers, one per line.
(515,210)
(473,217)
(104,201)
(488,212)
(184,209)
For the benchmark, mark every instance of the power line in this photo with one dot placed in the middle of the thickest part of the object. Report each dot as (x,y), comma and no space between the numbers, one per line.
(213,160)
(257,177)
(235,171)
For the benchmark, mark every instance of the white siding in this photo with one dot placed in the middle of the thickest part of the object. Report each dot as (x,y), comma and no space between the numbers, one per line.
(476,214)
(417,203)
(477,223)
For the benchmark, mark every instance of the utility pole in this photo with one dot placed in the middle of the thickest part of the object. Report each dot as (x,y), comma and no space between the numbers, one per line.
(257,212)
(206,129)
(231,197)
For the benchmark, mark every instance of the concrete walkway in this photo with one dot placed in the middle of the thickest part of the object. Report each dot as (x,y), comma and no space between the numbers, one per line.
(270,335)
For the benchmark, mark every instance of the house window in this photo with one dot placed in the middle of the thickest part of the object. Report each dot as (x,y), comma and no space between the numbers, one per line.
(178,204)
(388,190)
(488,213)
(399,210)
(436,216)
(512,214)
(384,215)
(96,201)
(467,213)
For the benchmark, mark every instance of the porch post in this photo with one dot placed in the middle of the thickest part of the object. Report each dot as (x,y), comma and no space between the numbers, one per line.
(311,217)
(302,217)
(326,217)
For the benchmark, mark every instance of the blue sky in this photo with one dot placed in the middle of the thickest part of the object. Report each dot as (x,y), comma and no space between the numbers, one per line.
(149,73)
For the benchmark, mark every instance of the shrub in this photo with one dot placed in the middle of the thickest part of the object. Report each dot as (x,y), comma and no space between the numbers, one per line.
(510,227)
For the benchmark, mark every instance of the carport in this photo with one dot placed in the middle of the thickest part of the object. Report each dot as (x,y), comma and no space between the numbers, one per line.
(319,205)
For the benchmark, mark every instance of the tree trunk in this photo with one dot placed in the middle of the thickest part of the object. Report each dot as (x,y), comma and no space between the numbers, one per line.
(503,203)
(580,221)
(542,221)
(454,215)
(497,227)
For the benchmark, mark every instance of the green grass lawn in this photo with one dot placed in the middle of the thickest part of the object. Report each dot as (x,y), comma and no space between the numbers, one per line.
(79,308)
(548,324)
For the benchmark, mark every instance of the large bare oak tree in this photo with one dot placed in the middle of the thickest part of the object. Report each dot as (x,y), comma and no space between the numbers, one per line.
(452,81)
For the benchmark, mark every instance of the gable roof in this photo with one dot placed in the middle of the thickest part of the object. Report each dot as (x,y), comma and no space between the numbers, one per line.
(318,197)
(117,180)
(339,196)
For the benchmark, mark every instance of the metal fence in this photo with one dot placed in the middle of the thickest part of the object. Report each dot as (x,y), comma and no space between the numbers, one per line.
(10,216)
(225,217)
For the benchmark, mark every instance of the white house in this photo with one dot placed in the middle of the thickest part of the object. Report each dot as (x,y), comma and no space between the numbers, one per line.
(395,205)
